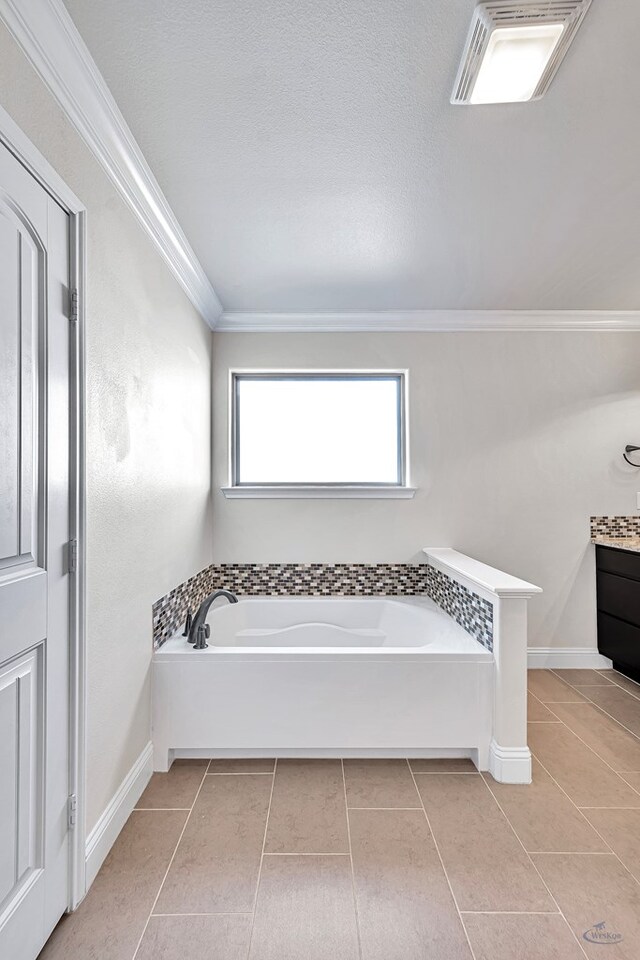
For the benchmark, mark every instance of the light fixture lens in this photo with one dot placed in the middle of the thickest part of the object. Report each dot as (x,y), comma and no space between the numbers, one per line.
(514,61)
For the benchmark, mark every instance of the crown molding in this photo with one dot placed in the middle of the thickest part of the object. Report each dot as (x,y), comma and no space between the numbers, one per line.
(47,35)
(409,321)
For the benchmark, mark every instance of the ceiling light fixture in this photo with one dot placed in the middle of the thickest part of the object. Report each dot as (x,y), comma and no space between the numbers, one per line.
(514,49)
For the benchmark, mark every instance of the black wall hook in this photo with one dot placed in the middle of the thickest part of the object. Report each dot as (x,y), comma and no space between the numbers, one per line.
(630,449)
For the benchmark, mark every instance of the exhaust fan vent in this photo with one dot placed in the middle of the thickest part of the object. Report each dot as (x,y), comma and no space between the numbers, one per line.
(514,49)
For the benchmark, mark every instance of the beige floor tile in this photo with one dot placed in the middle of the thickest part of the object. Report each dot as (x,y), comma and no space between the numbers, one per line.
(617,703)
(583,677)
(543,817)
(196,938)
(608,739)
(215,869)
(596,889)
(110,921)
(405,907)
(537,712)
(632,778)
(444,765)
(308,811)
(621,830)
(244,765)
(305,910)
(551,689)
(485,862)
(588,781)
(380,783)
(525,936)
(175,789)
(621,681)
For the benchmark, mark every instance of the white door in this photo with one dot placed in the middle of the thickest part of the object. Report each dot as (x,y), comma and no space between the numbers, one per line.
(34,585)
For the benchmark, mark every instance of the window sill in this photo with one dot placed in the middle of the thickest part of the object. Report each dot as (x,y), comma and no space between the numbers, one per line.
(319,493)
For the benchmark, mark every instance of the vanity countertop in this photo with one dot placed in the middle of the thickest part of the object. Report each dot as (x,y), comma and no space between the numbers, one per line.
(618,543)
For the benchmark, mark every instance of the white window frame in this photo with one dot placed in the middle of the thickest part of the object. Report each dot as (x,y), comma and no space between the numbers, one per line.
(285,491)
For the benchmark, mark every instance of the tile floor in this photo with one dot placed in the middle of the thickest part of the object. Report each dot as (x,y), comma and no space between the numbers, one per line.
(387,859)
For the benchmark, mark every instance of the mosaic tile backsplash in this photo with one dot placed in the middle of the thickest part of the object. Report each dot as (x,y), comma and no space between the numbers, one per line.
(472,612)
(615,526)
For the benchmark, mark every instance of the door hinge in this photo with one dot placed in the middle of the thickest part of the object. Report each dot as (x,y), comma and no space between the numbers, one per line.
(72,811)
(74,305)
(72,556)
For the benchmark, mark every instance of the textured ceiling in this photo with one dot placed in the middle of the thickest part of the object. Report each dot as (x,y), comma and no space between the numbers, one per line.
(310,153)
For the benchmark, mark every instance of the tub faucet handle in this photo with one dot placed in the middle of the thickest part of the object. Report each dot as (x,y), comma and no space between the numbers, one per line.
(203,634)
(187,624)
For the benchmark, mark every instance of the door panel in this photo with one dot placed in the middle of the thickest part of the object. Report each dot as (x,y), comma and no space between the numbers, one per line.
(34,584)
(21,808)
(21,308)
(9,392)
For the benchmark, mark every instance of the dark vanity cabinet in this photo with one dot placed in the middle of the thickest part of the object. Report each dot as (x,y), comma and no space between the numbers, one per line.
(618,585)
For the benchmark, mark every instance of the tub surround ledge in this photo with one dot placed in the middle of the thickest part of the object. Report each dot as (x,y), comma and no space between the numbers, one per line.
(477,576)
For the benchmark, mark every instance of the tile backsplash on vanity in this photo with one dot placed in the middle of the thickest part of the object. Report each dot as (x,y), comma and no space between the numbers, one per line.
(471,611)
(615,526)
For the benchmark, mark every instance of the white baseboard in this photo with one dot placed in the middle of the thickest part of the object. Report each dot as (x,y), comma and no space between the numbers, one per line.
(577,658)
(105,833)
(509,764)
(313,753)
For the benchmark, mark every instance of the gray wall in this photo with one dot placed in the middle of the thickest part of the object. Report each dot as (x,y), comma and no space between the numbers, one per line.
(148,437)
(515,440)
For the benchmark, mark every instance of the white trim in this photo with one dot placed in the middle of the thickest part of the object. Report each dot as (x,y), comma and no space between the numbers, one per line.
(78,580)
(413,753)
(38,166)
(477,575)
(50,40)
(293,492)
(408,321)
(575,658)
(105,833)
(509,764)
(23,149)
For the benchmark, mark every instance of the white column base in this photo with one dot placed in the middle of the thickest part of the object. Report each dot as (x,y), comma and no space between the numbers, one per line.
(509,764)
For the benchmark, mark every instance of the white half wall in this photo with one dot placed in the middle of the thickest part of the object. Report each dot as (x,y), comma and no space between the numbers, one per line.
(515,439)
(148,438)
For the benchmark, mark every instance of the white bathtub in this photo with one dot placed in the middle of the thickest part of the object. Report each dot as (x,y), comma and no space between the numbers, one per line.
(333,625)
(311,677)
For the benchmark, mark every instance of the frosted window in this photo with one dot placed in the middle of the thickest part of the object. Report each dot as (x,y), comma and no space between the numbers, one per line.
(330,429)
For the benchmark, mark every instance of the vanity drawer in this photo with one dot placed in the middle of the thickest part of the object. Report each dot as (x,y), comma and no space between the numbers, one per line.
(619,596)
(623,563)
(618,640)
